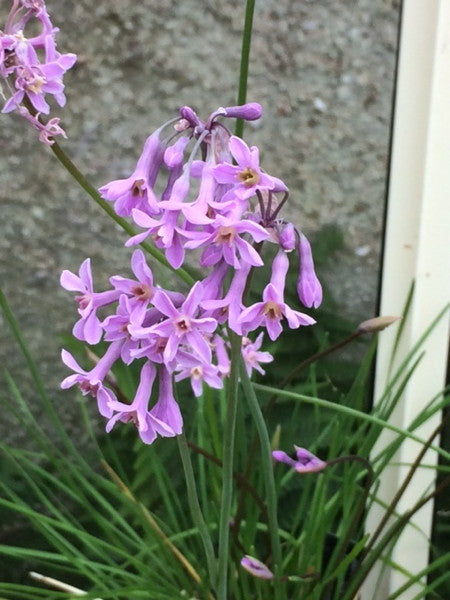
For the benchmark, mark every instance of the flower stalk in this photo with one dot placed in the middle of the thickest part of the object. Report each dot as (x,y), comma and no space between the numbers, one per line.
(196,511)
(227,470)
(267,471)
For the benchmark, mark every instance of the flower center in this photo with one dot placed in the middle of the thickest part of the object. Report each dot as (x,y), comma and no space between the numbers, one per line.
(248,177)
(83,300)
(88,388)
(31,79)
(225,235)
(182,325)
(142,292)
(272,310)
(197,372)
(136,189)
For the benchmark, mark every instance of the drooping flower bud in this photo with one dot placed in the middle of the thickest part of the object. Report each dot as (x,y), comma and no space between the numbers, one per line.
(255,567)
(309,288)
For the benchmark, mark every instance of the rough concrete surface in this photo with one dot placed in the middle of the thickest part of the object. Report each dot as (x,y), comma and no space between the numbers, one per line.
(322,69)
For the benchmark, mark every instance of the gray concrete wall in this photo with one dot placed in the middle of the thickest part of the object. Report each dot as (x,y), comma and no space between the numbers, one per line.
(322,69)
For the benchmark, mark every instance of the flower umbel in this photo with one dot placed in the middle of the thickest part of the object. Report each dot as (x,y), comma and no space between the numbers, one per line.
(188,196)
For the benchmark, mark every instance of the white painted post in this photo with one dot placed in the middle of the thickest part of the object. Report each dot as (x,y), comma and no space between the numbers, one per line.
(417,248)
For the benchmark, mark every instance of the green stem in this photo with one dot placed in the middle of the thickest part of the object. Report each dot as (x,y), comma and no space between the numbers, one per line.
(196,511)
(227,469)
(267,471)
(245,58)
(67,163)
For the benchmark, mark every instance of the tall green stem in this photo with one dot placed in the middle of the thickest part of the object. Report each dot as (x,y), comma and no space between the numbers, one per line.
(196,511)
(90,189)
(266,467)
(245,59)
(227,469)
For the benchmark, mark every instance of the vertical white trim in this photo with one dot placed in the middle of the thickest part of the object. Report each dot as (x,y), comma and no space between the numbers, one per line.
(417,248)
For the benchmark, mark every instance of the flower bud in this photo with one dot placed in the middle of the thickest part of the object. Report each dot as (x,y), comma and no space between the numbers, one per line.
(286,237)
(187,113)
(255,567)
(249,112)
(308,286)
(376,324)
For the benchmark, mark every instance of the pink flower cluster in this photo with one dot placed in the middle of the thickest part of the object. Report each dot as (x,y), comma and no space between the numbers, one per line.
(217,200)
(32,67)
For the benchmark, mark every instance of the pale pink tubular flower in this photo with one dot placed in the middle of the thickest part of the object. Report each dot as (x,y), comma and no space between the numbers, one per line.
(253,356)
(182,326)
(91,382)
(34,75)
(223,241)
(256,568)
(164,419)
(136,191)
(141,290)
(230,307)
(198,372)
(246,177)
(88,328)
(271,310)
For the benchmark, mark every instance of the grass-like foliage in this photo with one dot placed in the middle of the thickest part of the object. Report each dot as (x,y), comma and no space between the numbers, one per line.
(112,518)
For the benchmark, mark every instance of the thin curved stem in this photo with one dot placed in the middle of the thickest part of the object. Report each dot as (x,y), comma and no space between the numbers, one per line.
(245,59)
(196,511)
(227,469)
(266,467)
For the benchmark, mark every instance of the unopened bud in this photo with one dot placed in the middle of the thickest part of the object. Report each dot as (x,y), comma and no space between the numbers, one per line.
(249,112)
(286,237)
(256,568)
(376,324)
(187,113)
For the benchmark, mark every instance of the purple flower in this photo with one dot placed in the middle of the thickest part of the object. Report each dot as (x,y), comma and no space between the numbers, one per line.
(140,291)
(164,232)
(181,327)
(34,63)
(256,568)
(164,419)
(117,327)
(308,286)
(305,462)
(198,371)
(88,328)
(136,191)
(270,311)
(252,355)
(91,382)
(246,177)
(34,81)
(223,240)
(230,307)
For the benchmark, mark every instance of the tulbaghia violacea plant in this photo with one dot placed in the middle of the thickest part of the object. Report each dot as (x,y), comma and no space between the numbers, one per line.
(32,67)
(235,209)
